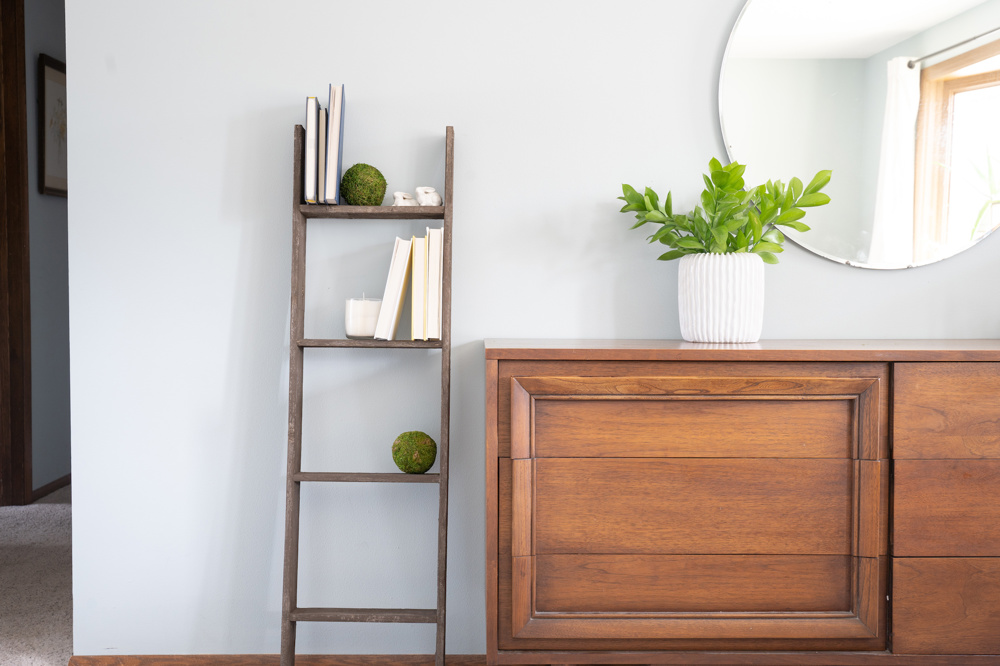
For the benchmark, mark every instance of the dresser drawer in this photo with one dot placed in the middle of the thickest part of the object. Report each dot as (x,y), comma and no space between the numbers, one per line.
(946,410)
(946,605)
(946,508)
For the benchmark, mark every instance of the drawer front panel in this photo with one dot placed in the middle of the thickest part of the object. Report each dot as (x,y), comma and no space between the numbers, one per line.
(946,508)
(692,583)
(508,371)
(946,410)
(697,428)
(946,605)
(718,506)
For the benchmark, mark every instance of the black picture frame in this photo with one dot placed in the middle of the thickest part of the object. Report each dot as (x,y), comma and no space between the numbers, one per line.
(51,126)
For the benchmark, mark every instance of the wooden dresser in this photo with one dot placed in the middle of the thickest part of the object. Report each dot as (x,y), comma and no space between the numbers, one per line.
(785,502)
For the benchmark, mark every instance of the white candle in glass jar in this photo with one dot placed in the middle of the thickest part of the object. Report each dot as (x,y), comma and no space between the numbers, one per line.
(361,316)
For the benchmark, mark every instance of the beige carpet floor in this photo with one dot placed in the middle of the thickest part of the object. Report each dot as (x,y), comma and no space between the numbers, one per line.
(36,594)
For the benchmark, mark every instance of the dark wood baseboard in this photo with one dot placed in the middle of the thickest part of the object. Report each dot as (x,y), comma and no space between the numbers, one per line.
(49,488)
(273,660)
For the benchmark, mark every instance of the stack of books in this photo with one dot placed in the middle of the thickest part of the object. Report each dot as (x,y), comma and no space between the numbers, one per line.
(324,149)
(420,262)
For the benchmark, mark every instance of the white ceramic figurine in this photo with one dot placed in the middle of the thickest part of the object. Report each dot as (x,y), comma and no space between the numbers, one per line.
(426,196)
(403,199)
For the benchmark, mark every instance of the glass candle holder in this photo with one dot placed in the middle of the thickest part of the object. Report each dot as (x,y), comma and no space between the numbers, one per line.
(360,317)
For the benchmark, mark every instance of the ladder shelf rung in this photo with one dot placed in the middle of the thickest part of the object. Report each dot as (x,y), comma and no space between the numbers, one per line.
(364,615)
(376,344)
(322,211)
(366,477)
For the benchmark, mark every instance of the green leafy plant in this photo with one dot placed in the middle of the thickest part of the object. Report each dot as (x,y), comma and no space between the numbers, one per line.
(730,218)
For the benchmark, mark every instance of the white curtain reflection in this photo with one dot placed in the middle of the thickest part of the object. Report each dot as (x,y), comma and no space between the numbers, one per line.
(892,232)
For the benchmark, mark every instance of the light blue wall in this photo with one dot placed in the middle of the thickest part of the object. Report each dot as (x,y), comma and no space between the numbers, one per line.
(179,254)
(45,32)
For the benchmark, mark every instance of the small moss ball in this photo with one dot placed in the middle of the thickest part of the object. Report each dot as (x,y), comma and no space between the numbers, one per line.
(363,185)
(414,452)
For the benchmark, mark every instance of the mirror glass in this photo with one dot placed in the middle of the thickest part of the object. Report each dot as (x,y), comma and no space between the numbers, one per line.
(915,151)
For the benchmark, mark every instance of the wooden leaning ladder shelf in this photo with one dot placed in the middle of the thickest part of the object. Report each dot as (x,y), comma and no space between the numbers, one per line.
(301,212)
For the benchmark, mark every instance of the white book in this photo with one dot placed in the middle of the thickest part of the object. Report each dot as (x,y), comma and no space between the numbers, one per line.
(435,284)
(321,158)
(309,174)
(418,309)
(395,290)
(335,143)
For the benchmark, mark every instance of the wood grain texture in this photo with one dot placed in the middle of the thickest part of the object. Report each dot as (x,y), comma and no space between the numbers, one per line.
(696,583)
(522,538)
(274,660)
(882,351)
(869,510)
(946,410)
(698,428)
(946,508)
(692,506)
(492,506)
(946,605)
(345,212)
(722,658)
(541,370)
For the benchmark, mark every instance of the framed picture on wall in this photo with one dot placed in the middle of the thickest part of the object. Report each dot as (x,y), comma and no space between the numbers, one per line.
(51,126)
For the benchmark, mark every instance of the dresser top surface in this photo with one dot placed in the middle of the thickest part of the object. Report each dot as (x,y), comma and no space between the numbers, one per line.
(764,350)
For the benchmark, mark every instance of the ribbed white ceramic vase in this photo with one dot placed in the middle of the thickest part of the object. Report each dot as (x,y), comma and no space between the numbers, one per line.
(721,297)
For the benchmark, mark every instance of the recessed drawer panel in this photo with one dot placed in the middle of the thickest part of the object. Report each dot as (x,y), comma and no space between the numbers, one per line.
(692,583)
(946,605)
(946,410)
(690,505)
(694,428)
(947,508)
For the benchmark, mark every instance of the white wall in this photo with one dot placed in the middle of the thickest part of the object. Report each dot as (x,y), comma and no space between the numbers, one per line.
(45,32)
(180,159)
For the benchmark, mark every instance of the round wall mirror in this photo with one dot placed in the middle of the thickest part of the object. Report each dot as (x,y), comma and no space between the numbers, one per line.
(900,98)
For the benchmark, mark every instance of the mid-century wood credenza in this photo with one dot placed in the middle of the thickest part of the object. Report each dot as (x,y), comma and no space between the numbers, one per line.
(785,502)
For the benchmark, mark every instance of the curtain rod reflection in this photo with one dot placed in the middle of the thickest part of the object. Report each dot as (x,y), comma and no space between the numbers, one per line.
(913,63)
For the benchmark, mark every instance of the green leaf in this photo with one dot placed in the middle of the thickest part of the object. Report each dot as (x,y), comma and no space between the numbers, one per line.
(795,185)
(735,224)
(673,254)
(790,215)
(632,196)
(647,203)
(768,257)
(818,182)
(774,236)
(798,226)
(653,199)
(638,224)
(656,216)
(720,238)
(709,185)
(721,179)
(737,169)
(714,164)
(755,227)
(708,201)
(628,208)
(692,243)
(764,246)
(661,232)
(742,242)
(813,199)
(668,207)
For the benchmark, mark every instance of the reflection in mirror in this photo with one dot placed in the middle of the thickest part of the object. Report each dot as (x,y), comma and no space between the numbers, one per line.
(915,150)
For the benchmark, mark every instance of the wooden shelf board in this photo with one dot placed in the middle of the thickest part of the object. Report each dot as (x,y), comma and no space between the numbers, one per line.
(323,211)
(377,344)
(364,615)
(366,477)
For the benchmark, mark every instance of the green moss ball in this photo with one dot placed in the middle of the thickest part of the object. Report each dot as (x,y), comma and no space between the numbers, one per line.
(414,452)
(363,185)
